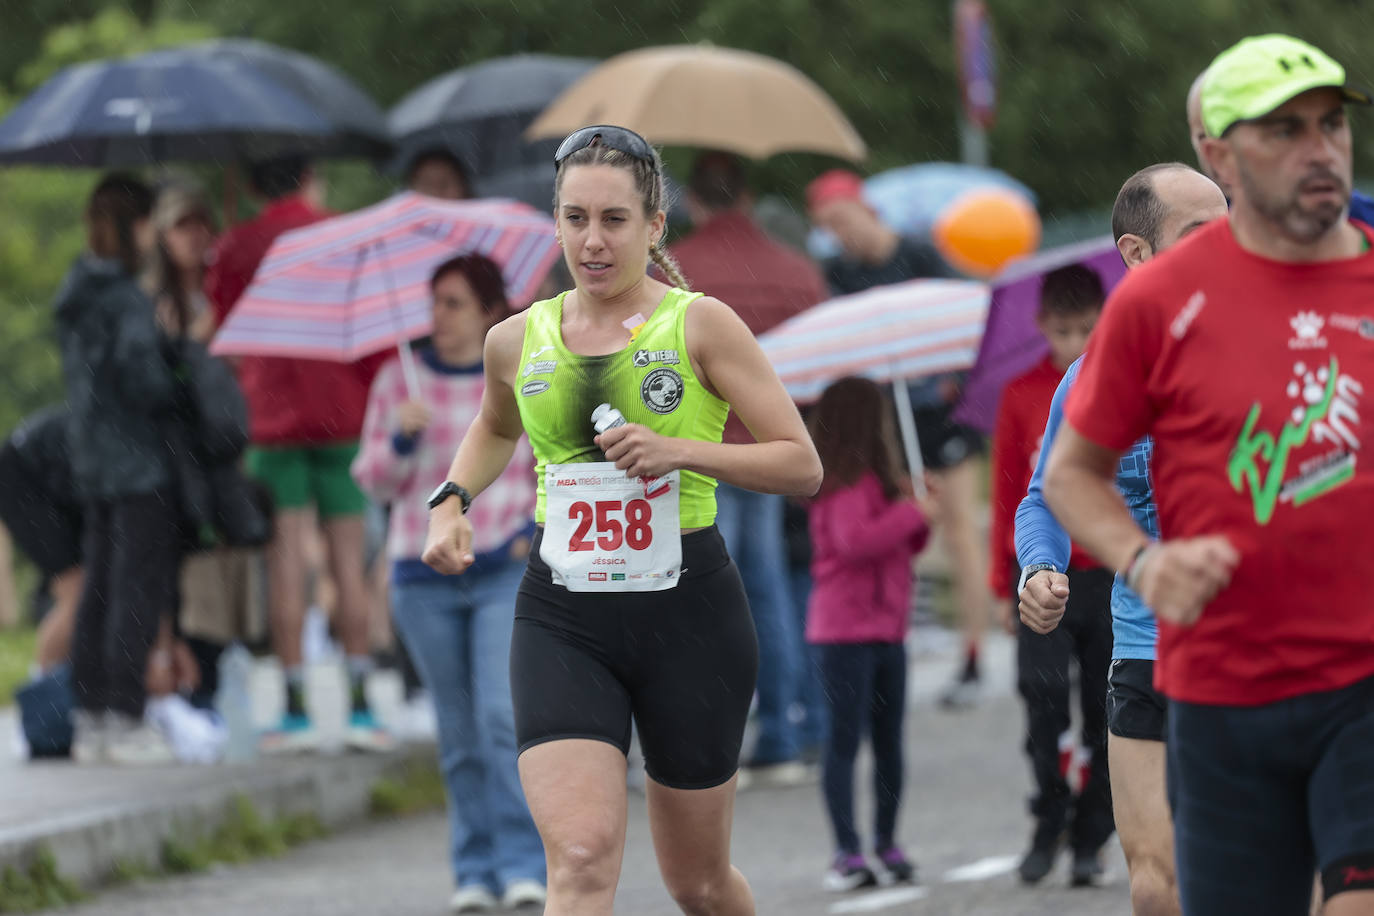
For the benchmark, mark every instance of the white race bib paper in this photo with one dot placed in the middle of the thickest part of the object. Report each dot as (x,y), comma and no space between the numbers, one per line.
(606,532)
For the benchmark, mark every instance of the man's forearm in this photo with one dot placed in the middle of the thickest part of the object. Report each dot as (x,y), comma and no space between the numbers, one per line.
(1093,513)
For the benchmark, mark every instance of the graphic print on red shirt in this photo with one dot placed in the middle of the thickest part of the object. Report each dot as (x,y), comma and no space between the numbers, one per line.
(1251,375)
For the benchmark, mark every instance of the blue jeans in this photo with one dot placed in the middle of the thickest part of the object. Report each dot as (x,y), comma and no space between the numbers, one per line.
(751,524)
(810,693)
(458,631)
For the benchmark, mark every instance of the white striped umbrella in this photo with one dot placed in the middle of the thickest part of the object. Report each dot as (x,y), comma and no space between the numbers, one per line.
(356,284)
(888,334)
(900,331)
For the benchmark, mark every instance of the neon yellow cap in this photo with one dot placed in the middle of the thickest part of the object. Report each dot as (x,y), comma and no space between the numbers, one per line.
(1258,74)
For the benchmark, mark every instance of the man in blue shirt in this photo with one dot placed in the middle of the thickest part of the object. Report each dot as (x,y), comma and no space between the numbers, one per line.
(1155,208)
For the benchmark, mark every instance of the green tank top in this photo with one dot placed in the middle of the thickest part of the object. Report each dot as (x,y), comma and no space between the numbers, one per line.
(651,382)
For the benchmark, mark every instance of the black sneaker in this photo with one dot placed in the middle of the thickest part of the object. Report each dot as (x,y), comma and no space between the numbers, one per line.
(1039,862)
(898,867)
(849,873)
(1087,870)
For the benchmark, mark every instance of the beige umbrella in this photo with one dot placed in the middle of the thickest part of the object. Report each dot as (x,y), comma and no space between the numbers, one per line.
(705,96)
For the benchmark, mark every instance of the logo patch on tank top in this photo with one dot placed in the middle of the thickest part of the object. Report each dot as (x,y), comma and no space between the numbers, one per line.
(530,389)
(661,390)
(642,358)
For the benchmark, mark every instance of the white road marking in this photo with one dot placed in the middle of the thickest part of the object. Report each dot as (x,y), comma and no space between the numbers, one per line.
(981,870)
(879,900)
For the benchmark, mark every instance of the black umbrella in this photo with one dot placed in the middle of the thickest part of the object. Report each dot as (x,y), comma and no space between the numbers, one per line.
(479,113)
(212,101)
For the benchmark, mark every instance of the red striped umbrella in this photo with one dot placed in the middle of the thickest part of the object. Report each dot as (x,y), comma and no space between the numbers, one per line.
(900,331)
(356,284)
(887,333)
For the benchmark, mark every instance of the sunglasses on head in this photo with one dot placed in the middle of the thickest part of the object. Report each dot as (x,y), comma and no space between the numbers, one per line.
(619,139)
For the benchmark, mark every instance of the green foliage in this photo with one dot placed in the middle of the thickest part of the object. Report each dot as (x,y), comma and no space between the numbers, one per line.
(419,788)
(113,32)
(1088,93)
(38,887)
(16,654)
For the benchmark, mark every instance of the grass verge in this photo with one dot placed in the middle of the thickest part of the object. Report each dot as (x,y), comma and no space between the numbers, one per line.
(16,655)
(243,836)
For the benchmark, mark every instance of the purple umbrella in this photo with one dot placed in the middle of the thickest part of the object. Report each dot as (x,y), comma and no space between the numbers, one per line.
(1012,343)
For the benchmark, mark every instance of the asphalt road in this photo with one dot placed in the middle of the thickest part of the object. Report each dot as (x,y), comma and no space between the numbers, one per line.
(964,822)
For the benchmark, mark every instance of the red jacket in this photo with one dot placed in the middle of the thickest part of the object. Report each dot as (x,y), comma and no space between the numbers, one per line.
(1021,418)
(291,401)
(765,282)
(862,546)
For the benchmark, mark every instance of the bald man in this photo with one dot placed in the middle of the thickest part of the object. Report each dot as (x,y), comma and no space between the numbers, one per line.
(1156,208)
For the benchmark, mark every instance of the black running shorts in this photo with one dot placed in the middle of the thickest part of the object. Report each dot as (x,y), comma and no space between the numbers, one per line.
(1263,796)
(1134,708)
(682,662)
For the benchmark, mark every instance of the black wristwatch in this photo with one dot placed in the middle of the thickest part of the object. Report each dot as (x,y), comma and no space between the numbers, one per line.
(449,488)
(1031,570)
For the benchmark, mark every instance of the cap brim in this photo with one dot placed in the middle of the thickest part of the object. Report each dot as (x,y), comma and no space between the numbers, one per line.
(1356,96)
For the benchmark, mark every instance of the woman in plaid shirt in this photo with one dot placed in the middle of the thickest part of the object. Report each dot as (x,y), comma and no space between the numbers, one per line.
(458,628)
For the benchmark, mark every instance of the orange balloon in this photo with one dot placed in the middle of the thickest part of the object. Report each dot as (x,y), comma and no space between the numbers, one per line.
(983,229)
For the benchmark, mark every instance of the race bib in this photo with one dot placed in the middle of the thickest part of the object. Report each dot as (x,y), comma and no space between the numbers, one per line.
(605,532)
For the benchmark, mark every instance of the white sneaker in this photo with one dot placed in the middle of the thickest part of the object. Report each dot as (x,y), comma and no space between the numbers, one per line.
(89,743)
(779,775)
(522,893)
(416,720)
(136,742)
(474,898)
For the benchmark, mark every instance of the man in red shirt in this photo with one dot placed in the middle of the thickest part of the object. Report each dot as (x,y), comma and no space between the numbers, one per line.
(1245,352)
(307,416)
(731,258)
(1070,303)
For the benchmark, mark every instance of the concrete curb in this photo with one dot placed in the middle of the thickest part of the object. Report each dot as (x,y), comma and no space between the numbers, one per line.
(87,844)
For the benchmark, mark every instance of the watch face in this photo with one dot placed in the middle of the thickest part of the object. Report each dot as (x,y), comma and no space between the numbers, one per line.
(438,493)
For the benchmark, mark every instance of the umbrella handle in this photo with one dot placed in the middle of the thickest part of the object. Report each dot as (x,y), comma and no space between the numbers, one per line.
(909,443)
(408,369)
(402,345)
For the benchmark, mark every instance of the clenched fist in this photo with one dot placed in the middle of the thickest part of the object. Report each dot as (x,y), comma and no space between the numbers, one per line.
(448,546)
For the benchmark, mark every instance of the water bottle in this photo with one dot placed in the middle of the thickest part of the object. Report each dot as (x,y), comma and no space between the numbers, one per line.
(606,417)
(234,701)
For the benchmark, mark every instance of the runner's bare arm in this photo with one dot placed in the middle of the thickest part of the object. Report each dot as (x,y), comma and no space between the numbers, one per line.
(730,363)
(485,451)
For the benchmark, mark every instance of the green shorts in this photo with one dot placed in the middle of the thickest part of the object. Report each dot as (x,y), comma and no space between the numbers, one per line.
(300,476)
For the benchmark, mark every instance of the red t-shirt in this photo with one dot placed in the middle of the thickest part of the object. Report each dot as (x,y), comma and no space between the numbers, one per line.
(1021,417)
(1251,375)
(763,280)
(291,401)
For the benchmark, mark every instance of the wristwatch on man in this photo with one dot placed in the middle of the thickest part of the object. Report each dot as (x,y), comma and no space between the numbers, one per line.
(1030,571)
(449,488)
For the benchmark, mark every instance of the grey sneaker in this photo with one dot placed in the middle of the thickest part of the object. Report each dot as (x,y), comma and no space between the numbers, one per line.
(89,744)
(525,892)
(963,694)
(135,742)
(473,898)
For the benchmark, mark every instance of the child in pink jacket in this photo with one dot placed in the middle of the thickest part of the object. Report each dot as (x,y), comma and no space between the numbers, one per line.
(865,531)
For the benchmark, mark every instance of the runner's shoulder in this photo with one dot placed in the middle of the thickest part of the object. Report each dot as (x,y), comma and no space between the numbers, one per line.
(708,318)
(505,341)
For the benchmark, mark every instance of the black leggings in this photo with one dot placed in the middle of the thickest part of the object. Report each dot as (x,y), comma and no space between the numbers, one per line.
(681,661)
(865,685)
(132,551)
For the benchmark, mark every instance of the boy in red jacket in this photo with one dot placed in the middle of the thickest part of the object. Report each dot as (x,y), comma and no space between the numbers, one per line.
(1070,303)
